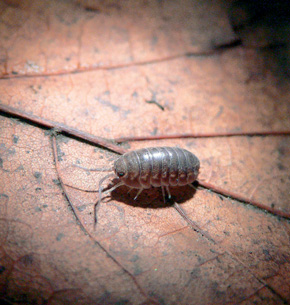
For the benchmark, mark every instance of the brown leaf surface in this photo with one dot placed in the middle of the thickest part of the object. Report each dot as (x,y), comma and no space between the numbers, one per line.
(105,68)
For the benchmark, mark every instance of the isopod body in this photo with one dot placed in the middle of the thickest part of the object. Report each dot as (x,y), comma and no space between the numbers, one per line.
(153,166)
(157,167)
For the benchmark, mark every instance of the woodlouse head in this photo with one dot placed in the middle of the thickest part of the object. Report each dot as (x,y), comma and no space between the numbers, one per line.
(120,168)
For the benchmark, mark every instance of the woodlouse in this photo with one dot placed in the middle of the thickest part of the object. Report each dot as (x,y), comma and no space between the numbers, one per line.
(153,167)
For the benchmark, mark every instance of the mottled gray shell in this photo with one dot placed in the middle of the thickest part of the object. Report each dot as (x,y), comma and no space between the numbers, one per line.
(157,166)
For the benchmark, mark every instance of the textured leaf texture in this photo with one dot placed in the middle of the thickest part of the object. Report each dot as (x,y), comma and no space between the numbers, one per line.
(202,75)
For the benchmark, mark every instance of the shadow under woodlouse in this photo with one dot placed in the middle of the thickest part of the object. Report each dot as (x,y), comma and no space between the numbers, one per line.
(150,198)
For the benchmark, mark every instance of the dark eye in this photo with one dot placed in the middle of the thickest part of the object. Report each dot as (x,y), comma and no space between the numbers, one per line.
(121,174)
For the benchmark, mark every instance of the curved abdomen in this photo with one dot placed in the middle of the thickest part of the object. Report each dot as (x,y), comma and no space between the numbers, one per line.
(159,166)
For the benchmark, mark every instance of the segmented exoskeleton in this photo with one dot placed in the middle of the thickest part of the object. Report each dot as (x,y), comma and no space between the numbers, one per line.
(154,166)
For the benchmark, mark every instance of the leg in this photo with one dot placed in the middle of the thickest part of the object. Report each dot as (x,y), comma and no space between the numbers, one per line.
(130,189)
(191,185)
(97,204)
(113,188)
(163,193)
(167,189)
(139,192)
